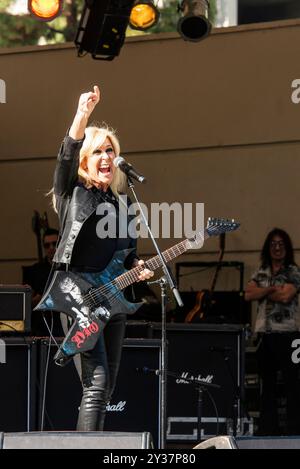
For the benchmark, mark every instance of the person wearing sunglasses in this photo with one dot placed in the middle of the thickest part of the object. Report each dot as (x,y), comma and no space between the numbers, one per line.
(275,285)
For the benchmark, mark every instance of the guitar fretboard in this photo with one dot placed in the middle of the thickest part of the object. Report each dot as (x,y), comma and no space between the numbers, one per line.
(132,276)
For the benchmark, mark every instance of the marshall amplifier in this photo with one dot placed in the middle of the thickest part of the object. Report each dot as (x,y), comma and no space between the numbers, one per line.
(213,354)
(60,390)
(134,406)
(15,308)
(18,357)
(138,330)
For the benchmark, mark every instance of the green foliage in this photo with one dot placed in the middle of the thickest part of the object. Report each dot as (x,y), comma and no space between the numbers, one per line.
(19,30)
(4,4)
(212,15)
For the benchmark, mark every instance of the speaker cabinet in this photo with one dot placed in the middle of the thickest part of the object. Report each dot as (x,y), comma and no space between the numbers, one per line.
(60,391)
(136,400)
(245,442)
(213,354)
(226,307)
(138,330)
(18,384)
(76,440)
(134,406)
(268,442)
(15,308)
(218,442)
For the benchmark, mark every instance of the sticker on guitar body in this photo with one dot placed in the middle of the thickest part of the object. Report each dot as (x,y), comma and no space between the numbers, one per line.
(88,326)
(80,337)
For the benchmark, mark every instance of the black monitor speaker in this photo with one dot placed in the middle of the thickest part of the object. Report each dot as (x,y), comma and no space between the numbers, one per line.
(18,384)
(134,406)
(76,440)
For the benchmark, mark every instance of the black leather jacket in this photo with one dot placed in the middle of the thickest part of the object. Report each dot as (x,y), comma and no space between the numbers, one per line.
(74,202)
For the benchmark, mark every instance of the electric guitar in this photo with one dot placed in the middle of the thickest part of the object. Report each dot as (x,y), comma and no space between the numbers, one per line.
(92,299)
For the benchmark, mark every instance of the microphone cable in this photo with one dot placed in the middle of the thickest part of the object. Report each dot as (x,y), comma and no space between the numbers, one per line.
(216,411)
(43,391)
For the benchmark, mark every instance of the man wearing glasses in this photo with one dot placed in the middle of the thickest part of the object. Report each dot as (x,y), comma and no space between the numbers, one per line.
(275,285)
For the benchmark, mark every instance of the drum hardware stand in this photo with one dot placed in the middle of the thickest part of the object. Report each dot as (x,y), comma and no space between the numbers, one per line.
(200,386)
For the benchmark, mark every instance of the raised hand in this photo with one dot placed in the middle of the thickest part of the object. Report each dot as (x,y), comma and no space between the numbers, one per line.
(88,101)
(86,104)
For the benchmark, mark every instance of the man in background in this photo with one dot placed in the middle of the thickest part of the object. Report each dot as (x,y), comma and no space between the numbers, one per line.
(36,276)
(276,285)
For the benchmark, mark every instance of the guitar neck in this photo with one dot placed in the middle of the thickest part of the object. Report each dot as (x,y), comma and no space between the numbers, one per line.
(132,276)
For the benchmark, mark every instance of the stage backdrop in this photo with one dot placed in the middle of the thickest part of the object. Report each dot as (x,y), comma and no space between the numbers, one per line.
(208,122)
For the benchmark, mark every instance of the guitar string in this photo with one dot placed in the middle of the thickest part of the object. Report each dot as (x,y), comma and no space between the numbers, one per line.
(130,273)
(114,296)
(103,289)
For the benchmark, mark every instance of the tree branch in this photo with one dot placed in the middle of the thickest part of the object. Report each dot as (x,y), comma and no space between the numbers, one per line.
(54,30)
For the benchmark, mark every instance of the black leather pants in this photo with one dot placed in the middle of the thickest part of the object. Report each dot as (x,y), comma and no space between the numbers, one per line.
(99,373)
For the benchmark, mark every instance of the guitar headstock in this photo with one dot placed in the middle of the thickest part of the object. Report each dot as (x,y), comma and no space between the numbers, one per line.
(217,226)
(39,223)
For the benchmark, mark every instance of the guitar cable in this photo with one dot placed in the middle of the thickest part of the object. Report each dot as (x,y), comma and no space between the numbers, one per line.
(44,390)
(216,411)
(51,340)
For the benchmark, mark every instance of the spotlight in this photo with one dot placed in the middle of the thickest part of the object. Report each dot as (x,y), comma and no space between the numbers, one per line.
(144,15)
(45,10)
(102,28)
(194,24)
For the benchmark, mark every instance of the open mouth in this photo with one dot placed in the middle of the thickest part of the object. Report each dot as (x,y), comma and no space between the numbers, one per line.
(105,170)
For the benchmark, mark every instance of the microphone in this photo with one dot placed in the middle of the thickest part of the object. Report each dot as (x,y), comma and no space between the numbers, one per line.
(127,168)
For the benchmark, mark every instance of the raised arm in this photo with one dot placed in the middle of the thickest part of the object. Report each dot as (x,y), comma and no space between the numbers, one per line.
(86,105)
(66,172)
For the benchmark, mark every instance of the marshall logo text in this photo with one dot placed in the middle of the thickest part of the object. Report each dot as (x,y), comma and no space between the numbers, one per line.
(186,376)
(116,407)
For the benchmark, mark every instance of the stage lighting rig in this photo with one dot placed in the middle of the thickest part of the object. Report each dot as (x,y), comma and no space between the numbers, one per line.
(102,28)
(45,10)
(144,15)
(194,24)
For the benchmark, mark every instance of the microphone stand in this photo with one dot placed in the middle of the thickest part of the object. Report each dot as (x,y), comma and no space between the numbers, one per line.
(237,395)
(200,386)
(166,279)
